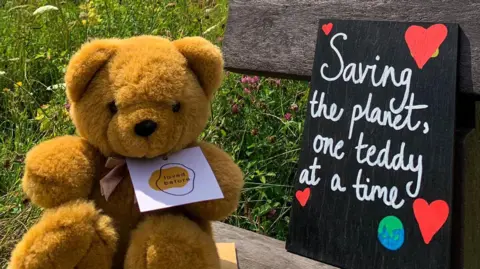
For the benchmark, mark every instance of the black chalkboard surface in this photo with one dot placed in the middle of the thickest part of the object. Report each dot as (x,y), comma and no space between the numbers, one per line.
(375,177)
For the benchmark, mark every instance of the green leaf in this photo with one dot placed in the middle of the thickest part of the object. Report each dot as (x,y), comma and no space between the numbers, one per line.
(264,209)
(263,179)
(38,56)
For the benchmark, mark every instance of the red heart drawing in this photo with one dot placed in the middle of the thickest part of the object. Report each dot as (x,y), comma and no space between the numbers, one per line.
(327,28)
(424,42)
(431,217)
(302,196)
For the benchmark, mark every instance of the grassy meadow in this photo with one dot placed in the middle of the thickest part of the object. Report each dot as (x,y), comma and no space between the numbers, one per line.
(257,120)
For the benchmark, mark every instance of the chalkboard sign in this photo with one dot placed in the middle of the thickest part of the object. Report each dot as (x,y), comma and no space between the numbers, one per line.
(375,177)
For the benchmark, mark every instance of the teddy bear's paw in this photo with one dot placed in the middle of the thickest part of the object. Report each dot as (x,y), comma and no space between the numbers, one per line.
(59,170)
(230,179)
(74,235)
(171,242)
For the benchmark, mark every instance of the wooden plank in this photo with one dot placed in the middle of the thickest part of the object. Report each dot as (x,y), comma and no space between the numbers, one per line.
(277,37)
(469,191)
(256,251)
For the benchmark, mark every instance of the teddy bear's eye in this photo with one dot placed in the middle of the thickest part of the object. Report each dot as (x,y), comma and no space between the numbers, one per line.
(113,108)
(176,107)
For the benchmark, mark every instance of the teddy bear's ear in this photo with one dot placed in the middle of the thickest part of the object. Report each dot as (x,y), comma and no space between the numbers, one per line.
(205,59)
(85,63)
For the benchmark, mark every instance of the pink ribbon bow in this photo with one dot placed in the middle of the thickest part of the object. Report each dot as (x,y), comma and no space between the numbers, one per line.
(111,180)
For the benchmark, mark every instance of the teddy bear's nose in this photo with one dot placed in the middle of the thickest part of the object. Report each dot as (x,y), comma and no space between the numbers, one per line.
(145,128)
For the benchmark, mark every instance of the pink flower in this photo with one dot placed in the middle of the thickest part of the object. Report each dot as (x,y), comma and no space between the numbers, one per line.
(235,109)
(288,116)
(253,81)
(247,91)
(67,106)
(277,81)
(272,213)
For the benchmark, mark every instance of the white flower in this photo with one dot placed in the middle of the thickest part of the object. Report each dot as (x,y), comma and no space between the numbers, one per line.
(2,73)
(44,9)
(56,86)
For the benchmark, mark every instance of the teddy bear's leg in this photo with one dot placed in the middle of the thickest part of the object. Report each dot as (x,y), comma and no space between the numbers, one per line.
(74,235)
(171,242)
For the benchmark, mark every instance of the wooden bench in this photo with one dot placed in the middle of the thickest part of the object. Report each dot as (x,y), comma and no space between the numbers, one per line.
(277,38)
(255,251)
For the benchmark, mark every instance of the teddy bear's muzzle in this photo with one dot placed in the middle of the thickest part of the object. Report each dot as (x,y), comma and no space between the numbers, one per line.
(145,128)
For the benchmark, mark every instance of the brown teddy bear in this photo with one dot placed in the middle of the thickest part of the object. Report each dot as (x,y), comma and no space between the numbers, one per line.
(144,96)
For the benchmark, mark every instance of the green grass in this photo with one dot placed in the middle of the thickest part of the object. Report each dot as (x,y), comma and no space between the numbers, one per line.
(250,125)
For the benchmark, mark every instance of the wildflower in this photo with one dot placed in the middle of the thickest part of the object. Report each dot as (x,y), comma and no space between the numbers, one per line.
(271,139)
(288,116)
(277,82)
(254,132)
(6,90)
(235,109)
(19,84)
(84,22)
(253,81)
(244,79)
(2,73)
(83,15)
(247,91)
(56,86)
(67,106)
(44,106)
(272,213)
(294,107)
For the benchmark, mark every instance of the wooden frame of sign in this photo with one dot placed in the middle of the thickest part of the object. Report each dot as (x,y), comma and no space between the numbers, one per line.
(278,37)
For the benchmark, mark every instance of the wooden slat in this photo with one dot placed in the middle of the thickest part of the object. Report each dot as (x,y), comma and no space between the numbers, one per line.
(256,251)
(277,37)
(470,213)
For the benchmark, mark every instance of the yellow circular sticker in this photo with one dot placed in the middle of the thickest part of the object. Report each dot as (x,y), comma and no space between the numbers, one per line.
(174,179)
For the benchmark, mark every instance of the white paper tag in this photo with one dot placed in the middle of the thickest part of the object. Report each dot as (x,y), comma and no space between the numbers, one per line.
(186,177)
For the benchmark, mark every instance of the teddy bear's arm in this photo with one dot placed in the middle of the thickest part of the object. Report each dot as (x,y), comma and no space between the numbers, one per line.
(59,170)
(230,179)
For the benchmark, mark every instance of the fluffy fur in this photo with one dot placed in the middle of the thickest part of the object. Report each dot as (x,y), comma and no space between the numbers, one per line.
(112,85)
(60,170)
(74,235)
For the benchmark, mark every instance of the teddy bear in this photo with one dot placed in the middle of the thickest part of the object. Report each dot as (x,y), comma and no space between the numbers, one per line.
(137,97)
